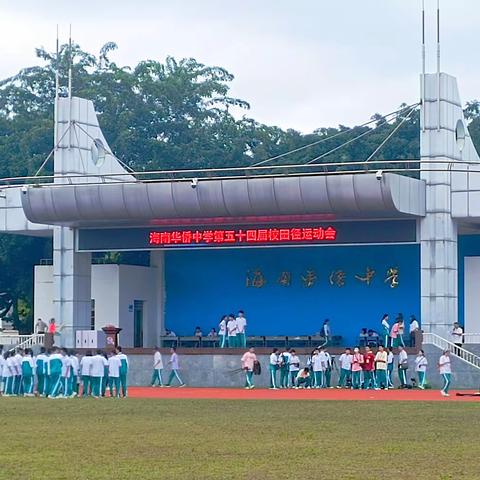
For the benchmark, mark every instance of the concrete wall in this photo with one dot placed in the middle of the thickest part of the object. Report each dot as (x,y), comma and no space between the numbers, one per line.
(43,293)
(216,371)
(114,289)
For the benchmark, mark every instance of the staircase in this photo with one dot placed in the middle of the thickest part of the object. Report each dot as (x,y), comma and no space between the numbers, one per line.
(458,352)
(15,342)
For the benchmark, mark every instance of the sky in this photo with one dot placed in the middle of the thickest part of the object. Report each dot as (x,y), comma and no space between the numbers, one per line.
(301,64)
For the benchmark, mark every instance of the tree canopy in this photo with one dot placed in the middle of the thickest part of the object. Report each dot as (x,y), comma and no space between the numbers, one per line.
(164,115)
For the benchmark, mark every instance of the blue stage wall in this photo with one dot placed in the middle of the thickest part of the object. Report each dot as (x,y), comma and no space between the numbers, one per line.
(201,285)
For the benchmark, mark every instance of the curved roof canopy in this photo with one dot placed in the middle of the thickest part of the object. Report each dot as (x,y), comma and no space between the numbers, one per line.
(360,195)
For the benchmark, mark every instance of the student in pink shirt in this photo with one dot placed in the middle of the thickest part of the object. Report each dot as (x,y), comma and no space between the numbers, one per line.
(397,333)
(357,363)
(248,361)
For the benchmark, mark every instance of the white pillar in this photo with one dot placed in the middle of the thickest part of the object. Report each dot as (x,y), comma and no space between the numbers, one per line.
(72,286)
(157,261)
(438,231)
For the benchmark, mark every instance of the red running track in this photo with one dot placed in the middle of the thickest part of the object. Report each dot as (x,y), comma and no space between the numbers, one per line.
(290,394)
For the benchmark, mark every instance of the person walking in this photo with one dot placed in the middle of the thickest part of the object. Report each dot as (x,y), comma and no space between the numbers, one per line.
(248,361)
(421,363)
(445,368)
(326,331)
(157,368)
(457,336)
(173,362)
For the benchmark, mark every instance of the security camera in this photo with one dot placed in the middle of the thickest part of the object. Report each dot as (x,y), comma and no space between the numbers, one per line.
(194,182)
(379,175)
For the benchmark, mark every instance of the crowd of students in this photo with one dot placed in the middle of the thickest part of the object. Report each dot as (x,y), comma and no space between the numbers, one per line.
(61,373)
(358,369)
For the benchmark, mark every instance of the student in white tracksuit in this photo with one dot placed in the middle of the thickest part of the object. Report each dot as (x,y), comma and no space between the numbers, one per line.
(173,362)
(445,368)
(157,368)
(114,365)
(96,373)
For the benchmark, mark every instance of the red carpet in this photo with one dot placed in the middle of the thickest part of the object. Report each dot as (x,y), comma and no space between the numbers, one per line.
(324,394)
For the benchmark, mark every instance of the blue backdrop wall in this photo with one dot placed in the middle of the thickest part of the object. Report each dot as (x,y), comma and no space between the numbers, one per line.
(201,285)
(468,246)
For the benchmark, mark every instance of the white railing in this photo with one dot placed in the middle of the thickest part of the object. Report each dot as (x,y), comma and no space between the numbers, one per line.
(471,338)
(12,339)
(26,341)
(459,352)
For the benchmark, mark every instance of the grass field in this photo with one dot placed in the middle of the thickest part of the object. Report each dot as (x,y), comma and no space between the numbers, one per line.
(214,439)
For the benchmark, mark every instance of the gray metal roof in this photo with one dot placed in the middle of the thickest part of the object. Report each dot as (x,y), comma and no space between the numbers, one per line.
(359,195)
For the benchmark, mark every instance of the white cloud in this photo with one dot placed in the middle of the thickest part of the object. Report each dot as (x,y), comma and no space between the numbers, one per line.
(302,64)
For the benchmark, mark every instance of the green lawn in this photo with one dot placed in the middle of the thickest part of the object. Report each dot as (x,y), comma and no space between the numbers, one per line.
(196,439)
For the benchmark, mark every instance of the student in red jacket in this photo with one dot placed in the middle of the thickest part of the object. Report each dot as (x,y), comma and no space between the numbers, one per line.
(368,369)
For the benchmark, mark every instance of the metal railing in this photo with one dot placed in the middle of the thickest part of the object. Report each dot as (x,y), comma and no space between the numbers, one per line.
(471,338)
(459,352)
(23,341)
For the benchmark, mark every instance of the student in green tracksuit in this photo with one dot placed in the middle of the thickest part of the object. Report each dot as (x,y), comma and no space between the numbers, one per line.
(105,375)
(41,364)
(55,364)
(123,370)
(28,372)
(85,372)
(284,368)
(8,373)
(273,368)
(114,366)
(96,374)
(232,331)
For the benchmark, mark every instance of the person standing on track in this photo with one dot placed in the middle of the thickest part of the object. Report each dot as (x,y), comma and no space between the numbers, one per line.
(173,362)
(273,367)
(85,372)
(345,362)
(157,368)
(357,362)
(284,368)
(390,367)
(445,367)
(369,369)
(421,363)
(381,359)
(328,368)
(248,361)
(402,367)
(114,365)
(294,367)
(123,370)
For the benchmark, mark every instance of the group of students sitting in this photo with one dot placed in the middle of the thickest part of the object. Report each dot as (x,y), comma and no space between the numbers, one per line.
(59,373)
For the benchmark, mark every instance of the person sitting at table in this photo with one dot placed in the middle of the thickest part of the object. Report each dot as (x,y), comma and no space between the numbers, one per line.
(212,333)
(362,338)
(198,332)
(372,339)
(170,333)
